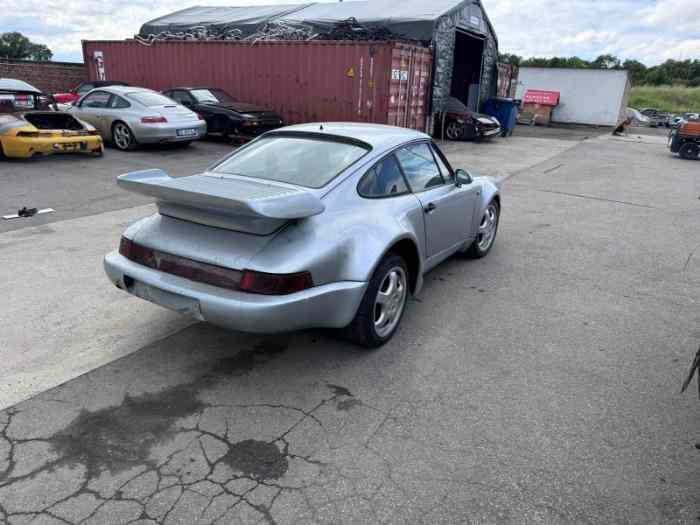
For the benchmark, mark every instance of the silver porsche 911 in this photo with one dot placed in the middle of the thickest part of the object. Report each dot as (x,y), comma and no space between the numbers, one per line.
(314,225)
(128,116)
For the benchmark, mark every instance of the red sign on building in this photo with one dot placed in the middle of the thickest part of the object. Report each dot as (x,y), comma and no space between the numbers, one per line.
(543,98)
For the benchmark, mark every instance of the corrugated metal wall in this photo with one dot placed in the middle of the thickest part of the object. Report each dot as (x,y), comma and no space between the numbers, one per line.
(380,82)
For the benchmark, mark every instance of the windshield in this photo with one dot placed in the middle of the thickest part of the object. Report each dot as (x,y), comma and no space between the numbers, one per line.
(212,95)
(302,161)
(151,99)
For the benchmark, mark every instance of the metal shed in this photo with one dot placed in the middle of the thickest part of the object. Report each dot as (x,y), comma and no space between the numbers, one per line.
(457,32)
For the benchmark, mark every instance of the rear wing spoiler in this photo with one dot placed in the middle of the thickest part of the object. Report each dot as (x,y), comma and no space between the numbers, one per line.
(224,195)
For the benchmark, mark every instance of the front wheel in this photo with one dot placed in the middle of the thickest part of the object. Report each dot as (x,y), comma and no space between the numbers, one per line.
(383,304)
(454,130)
(486,235)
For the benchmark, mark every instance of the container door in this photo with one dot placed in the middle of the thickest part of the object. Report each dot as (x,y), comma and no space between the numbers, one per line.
(409,86)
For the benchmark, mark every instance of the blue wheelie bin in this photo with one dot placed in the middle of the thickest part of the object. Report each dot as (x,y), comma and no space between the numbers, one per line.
(506,111)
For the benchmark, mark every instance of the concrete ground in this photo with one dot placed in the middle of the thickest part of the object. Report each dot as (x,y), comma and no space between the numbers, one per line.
(538,385)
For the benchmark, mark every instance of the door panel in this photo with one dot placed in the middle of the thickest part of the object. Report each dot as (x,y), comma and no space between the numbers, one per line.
(448,214)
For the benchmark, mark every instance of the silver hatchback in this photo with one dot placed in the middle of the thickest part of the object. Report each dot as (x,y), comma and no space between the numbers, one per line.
(127,116)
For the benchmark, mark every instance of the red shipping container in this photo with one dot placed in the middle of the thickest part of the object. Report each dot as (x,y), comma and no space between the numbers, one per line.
(314,81)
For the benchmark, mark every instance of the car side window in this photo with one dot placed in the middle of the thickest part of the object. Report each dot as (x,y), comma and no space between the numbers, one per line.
(179,96)
(442,164)
(118,103)
(96,99)
(85,88)
(419,166)
(384,179)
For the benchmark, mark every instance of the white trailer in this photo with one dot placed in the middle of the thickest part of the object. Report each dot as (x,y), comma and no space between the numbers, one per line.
(597,97)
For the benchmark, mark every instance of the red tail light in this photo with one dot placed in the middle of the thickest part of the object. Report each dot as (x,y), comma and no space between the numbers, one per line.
(246,281)
(275,284)
(180,266)
(153,120)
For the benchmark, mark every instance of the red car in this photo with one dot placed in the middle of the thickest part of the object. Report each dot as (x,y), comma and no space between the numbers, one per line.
(82,89)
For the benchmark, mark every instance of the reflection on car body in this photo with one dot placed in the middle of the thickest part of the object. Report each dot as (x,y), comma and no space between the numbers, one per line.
(330,225)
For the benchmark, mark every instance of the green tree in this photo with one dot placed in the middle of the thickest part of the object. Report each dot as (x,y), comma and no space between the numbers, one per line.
(508,58)
(606,62)
(16,45)
(637,71)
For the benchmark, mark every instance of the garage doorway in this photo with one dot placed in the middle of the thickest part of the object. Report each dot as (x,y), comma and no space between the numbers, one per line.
(466,74)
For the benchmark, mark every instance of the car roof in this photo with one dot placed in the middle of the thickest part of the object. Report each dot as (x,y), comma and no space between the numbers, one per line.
(379,136)
(106,83)
(12,84)
(123,90)
(189,88)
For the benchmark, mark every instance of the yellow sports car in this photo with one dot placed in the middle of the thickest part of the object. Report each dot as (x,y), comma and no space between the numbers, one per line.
(29,127)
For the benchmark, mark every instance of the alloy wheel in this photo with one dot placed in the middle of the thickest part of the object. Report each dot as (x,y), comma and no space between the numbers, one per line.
(390,301)
(454,130)
(487,228)
(122,136)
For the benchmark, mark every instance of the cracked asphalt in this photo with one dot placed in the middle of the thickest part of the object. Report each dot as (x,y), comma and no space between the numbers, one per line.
(538,385)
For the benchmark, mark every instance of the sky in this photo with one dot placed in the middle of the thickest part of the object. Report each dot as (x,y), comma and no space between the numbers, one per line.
(647,30)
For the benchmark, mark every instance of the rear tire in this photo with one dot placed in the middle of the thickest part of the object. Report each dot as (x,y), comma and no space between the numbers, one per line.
(382,306)
(690,150)
(122,136)
(486,235)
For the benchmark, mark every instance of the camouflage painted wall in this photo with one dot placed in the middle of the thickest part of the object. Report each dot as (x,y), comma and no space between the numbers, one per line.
(469,15)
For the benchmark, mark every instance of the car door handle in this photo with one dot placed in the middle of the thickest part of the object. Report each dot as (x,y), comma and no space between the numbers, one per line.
(430,207)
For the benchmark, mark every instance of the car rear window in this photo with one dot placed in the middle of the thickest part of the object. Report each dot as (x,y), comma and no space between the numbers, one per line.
(151,99)
(307,162)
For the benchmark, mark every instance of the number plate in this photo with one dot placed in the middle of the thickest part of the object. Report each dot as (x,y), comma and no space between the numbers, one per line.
(190,132)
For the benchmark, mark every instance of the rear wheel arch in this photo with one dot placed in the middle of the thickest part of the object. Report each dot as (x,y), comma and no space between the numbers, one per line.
(408,250)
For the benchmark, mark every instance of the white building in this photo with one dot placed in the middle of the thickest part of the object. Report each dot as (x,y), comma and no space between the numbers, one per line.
(588,96)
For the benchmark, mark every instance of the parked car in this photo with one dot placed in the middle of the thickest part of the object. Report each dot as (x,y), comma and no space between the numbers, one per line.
(29,126)
(458,122)
(656,118)
(223,113)
(128,116)
(686,140)
(676,121)
(637,119)
(329,225)
(82,89)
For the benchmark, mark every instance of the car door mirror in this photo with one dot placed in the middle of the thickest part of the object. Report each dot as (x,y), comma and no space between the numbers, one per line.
(463,177)
(187,103)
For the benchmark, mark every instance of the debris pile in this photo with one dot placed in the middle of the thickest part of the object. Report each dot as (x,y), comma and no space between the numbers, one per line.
(348,29)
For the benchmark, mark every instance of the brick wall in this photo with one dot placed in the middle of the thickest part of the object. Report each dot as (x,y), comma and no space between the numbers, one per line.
(50,77)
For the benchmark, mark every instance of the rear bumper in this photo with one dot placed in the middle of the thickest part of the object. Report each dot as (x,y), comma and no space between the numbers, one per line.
(26,147)
(155,133)
(327,306)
